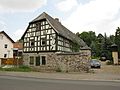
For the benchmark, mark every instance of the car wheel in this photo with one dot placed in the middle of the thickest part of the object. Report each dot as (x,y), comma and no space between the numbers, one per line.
(99,67)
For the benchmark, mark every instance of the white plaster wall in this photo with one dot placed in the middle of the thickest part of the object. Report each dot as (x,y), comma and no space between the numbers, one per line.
(8,50)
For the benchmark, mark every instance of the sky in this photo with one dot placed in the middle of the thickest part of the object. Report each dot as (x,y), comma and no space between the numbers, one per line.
(100,16)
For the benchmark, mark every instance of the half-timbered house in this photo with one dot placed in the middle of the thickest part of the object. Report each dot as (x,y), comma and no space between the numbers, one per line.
(45,35)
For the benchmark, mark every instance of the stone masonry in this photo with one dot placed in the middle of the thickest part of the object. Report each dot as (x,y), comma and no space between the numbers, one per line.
(63,62)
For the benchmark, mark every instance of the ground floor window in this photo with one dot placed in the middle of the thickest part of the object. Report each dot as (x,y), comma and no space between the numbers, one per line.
(31,60)
(43,60)
(37,60)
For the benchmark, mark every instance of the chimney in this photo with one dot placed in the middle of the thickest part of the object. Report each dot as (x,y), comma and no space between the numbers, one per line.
(57,19)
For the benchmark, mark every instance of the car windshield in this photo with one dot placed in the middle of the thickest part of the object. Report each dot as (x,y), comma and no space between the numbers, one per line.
(94,61)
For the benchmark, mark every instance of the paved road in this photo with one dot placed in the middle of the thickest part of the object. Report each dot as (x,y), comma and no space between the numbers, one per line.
(19,83)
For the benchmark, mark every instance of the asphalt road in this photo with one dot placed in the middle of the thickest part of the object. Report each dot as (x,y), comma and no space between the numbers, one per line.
(22,83)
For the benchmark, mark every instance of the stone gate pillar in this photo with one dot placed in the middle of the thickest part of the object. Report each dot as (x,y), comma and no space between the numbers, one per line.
(87,50)
(114,49)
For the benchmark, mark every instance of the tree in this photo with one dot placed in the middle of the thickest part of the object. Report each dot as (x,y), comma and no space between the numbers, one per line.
(88,37)
(100,45)
(105,47)
(117,38)
(112,39)
(100,38)
(94,48)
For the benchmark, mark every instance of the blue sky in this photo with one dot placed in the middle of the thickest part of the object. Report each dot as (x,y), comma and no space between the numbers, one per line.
(77,15)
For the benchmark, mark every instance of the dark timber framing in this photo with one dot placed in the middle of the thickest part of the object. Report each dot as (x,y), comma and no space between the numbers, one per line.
(46,34)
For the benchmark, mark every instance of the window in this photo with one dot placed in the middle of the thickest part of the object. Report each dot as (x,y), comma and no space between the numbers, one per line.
(38,61)
(31,60)
(43,60)
(32,34)
(5,55)
(44,32)
(6,46)
(37,33)
(43,41)
(47,26)
(32,43)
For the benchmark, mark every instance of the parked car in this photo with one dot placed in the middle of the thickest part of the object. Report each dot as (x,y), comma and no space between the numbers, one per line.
(103,58)
(94,63)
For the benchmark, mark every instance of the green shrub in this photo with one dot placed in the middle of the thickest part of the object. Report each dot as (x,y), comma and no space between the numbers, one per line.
(24,67)
(109,62)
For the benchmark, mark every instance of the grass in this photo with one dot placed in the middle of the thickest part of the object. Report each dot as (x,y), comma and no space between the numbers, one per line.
(17,69)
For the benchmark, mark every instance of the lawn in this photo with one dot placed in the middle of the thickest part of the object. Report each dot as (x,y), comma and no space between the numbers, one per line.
(17,69)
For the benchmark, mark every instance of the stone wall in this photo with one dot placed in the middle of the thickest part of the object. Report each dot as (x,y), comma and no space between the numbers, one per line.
(65,62)
(68,62)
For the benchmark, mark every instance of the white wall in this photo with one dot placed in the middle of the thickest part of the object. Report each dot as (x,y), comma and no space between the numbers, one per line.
(9,50)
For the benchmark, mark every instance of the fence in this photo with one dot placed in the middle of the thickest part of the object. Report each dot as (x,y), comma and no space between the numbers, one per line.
(11,61)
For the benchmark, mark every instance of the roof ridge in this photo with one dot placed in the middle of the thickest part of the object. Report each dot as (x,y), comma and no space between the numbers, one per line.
(59,28)
(43,15)
(3,32)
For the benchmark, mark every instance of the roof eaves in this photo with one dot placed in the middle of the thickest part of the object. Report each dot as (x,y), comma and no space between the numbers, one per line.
(2,32)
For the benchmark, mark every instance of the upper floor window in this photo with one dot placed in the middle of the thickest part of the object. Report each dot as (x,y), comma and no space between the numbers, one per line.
(5,55)
(32,43)
(6,46)
(43,41)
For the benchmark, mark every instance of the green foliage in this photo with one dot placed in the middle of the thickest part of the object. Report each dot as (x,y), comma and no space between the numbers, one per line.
(88,37)
(75,47)
(117,38)
(100,45)
(109,62)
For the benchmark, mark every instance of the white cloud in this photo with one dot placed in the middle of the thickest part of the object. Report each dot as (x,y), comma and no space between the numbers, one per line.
(97,15)
(18,34)
(66,5)
(21,5)
(2,26)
